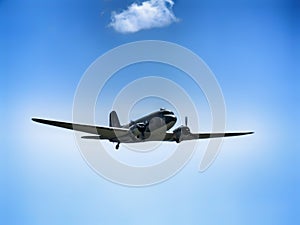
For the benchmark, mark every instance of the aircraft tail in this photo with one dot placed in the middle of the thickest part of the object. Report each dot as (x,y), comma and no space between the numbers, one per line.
(114,120)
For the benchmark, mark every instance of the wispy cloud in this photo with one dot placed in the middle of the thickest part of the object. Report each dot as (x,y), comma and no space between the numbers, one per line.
(147,15)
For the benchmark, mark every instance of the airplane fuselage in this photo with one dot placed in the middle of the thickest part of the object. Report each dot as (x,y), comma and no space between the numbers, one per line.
(148,127)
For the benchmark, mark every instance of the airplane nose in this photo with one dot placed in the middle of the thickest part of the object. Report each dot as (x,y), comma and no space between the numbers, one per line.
(170,119)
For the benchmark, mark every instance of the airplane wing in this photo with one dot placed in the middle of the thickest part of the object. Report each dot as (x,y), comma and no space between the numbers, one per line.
(103,132)
(217,135)
(194,136)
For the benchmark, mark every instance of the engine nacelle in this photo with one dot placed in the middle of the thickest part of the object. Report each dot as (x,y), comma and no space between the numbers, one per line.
(138,130)
(134,130)
(180,132)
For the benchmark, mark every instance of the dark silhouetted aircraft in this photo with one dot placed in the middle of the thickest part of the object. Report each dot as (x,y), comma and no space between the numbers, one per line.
(152,127)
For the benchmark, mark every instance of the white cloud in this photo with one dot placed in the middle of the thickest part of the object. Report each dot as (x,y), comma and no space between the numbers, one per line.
(147,15)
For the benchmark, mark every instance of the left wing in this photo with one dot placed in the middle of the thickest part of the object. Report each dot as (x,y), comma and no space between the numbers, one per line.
(104,132)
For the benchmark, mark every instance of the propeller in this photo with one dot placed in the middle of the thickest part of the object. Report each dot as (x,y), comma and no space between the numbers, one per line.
(142,128)
(183,130)
(186,129)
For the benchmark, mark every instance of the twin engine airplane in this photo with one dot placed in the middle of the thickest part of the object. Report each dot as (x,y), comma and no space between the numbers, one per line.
(152,127)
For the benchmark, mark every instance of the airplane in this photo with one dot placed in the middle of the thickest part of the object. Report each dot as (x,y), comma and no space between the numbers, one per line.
(152,127)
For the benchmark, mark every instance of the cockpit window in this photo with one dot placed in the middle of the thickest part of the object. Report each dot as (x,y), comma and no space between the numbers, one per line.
(165,111)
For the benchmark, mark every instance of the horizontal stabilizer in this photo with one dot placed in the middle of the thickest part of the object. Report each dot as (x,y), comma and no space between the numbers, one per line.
(91,137)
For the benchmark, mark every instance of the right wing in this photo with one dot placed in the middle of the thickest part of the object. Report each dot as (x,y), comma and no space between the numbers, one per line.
(193,136)
(104,132)
(217,135)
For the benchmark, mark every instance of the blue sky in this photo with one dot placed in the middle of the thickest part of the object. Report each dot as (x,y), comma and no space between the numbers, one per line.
(251,46)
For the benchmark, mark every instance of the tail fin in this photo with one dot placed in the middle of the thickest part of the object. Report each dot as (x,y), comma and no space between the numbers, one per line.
(114,120)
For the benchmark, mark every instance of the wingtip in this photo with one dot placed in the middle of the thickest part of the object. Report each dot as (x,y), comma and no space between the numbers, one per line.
(247,133)
(35,119)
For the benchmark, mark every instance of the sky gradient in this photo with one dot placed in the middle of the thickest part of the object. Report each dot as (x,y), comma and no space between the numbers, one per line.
(251,46)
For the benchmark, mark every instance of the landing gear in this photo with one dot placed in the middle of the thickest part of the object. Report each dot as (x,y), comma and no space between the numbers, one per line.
(117,146)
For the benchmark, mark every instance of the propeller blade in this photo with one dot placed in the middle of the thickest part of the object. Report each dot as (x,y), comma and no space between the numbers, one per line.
(186,121)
